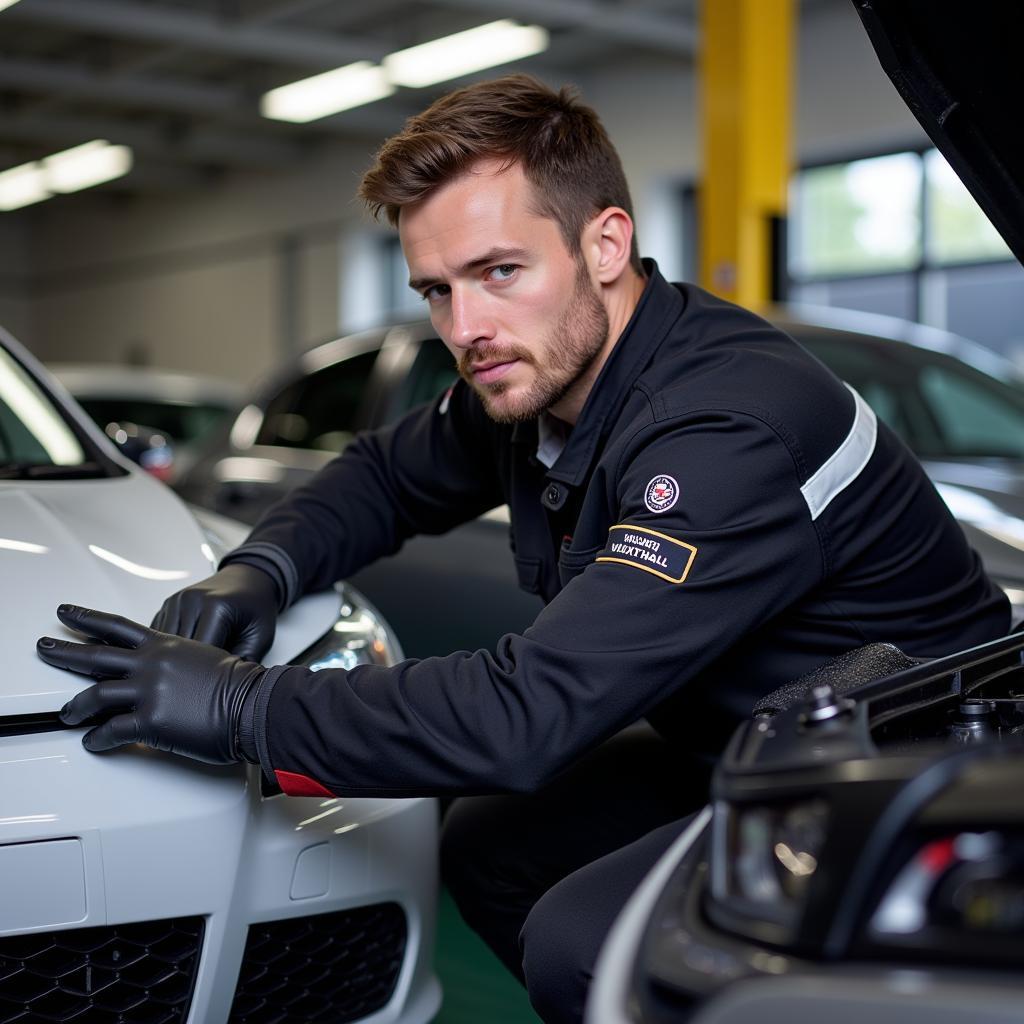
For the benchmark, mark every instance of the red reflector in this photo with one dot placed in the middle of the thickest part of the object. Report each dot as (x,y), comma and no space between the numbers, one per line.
(294,784)
(937,856)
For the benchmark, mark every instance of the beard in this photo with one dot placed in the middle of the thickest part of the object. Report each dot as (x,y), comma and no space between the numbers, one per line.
(568,351)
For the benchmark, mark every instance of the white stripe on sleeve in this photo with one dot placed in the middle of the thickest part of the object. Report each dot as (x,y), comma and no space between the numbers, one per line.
(844,465)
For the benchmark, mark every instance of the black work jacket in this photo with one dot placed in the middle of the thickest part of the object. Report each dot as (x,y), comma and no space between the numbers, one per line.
(725,516)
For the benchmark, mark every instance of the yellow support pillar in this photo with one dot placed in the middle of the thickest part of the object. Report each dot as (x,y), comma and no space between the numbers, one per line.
(746,100)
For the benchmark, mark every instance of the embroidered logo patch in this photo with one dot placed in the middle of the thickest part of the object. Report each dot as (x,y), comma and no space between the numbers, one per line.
(654,552)
(661,494)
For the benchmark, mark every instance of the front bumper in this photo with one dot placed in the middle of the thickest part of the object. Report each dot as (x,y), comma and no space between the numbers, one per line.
(138,836)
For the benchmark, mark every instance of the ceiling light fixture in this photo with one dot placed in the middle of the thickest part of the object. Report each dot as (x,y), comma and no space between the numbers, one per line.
(4,4)
(473,50)
(329,93)
(22,186)
(85,166)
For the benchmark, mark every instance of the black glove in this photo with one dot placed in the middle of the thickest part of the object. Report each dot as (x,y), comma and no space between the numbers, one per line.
(164,691)
(236,608)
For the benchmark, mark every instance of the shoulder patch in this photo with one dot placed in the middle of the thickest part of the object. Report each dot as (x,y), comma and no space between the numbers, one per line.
(654,552)
(661,493)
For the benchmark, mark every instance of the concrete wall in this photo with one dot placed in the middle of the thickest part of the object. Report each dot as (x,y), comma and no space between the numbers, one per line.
(227,280)
(845,104)
(217,315)
(651,113)
(230,278)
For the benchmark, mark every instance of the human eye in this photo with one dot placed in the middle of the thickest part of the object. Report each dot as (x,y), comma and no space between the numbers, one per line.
(503,272)
(435,293)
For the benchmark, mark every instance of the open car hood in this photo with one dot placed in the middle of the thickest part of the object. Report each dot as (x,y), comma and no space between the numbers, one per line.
(957,67)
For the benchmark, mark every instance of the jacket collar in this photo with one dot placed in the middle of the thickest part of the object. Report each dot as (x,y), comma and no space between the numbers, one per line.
(660,306)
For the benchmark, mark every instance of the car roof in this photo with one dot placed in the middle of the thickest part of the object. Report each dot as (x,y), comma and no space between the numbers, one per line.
(347,345)
(109,380)
(855,327)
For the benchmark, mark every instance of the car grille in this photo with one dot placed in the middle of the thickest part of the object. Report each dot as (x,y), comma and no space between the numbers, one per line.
(141,973)
(330,967)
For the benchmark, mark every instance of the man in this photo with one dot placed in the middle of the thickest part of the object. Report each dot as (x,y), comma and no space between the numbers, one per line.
(706,510)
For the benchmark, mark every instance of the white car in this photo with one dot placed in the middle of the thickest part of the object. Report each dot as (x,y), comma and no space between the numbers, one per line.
(137,886)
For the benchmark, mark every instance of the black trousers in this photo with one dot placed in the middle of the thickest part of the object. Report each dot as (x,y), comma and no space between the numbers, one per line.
(542,877)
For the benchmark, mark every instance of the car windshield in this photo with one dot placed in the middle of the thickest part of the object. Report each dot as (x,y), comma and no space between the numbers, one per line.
(943,408)
(35,439)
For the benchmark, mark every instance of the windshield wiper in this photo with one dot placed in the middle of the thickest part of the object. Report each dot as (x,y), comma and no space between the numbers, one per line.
(48,471)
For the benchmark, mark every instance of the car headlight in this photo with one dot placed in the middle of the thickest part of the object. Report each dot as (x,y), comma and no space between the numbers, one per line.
(765,857)
(359,636)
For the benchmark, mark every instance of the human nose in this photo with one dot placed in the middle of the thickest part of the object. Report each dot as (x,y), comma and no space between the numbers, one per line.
(470,323)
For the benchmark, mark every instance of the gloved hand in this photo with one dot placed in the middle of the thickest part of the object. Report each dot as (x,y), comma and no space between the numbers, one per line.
(164,691)
(235,608)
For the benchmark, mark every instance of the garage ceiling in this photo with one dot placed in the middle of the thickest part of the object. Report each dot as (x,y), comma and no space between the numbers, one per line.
(180,80)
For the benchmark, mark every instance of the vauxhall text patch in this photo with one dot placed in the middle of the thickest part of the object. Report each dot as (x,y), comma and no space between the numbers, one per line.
(649,550)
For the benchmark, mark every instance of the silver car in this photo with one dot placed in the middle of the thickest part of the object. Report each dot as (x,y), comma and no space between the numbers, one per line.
(139,887)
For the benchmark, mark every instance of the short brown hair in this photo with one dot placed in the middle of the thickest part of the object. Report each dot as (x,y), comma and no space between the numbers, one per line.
(562,146)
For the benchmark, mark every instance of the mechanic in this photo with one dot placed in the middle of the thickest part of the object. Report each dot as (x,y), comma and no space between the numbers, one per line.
(707,512)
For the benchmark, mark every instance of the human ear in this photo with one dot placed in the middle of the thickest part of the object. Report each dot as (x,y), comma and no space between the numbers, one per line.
(607,243)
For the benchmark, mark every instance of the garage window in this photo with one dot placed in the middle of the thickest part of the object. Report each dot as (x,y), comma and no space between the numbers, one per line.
(862,217)
(899,234)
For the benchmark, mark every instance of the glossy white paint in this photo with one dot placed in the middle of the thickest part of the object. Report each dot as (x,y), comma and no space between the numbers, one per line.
(56,543)
(157,836)
(136,834)
(121,545)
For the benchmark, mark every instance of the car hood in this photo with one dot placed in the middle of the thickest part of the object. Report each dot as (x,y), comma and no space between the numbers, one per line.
(987,498)
(957,68)
(60,543)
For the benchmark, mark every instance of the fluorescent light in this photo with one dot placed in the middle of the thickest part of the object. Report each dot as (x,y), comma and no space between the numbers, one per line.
(21,186)
(329,93)
(436,61)
(473,50)
(4,4)
(84,166)
(81,167)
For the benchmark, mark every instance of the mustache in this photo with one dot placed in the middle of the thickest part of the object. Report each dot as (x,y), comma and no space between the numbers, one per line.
(475,357)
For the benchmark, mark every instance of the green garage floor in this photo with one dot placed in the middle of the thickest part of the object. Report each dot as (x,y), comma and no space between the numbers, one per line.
(477,988)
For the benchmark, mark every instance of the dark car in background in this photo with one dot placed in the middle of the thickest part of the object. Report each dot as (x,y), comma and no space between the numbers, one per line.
(936,390)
